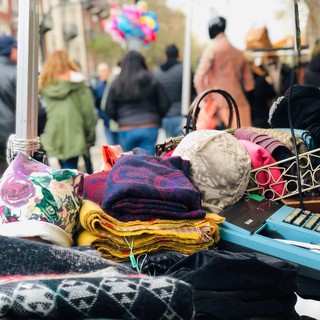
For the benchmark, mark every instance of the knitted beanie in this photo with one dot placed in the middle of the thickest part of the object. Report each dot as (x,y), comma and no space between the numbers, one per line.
(6,44)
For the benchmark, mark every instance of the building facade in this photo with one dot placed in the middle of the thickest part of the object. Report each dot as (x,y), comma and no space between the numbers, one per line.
(63,24)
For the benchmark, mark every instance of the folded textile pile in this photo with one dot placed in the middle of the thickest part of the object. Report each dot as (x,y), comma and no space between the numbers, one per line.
(116,240)
(239,285)
(141,187)
(102,294)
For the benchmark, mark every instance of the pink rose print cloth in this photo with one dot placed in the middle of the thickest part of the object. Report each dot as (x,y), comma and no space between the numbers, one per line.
(39,201)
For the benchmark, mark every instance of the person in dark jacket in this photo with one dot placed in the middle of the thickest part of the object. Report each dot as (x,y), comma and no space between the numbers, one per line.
(8,85)
(99,86)
(312,73)
(264,95)
(137,102)
(170,75)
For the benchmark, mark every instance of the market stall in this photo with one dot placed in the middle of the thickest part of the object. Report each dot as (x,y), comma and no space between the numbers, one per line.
(138,239)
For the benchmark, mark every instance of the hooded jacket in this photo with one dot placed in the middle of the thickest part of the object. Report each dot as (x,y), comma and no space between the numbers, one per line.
(71,118)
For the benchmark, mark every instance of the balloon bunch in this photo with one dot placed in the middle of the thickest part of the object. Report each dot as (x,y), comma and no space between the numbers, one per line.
(132,21)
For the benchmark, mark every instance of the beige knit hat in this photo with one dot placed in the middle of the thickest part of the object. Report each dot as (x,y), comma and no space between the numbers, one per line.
(220,166)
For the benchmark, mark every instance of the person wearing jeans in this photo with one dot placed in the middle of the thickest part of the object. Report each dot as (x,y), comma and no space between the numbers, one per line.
(137,102)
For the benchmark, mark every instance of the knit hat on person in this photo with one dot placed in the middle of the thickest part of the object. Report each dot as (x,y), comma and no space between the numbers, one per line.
(7,42)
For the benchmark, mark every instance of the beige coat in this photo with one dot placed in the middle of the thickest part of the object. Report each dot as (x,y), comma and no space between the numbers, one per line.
(222,66)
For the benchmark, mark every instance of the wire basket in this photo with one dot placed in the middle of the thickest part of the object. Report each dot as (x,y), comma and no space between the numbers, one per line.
(280,180)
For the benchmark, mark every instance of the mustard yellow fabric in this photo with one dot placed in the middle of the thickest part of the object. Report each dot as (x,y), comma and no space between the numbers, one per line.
(113,238)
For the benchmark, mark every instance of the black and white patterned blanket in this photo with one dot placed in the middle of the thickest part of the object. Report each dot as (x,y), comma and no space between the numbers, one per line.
(40,281)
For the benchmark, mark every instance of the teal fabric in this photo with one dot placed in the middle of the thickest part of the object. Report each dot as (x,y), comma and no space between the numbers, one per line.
(71,119)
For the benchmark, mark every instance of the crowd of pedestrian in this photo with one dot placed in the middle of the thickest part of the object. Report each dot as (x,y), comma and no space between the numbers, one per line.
(134,101)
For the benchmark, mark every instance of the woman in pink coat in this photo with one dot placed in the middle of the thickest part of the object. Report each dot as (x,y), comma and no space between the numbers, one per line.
(222,66)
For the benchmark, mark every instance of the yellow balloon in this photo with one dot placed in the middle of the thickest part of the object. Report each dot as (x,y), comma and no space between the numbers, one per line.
(148,21)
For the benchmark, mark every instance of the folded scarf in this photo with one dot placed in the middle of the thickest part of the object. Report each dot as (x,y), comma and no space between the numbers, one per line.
(121,249)
(141,187)
(95,220)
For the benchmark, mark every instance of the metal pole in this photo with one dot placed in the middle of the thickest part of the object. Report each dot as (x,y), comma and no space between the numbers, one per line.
(186,82)
(27,70)
(297,32)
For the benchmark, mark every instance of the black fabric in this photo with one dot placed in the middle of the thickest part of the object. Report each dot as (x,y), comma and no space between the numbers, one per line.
(305,108)
(232,309)
(238,285)
(235,271)
(157,264)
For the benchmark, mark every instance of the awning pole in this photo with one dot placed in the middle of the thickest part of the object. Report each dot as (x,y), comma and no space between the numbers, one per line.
(27,70)
(186,82)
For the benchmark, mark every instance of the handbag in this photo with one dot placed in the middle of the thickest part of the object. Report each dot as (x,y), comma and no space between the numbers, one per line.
(258,38)
(192,118)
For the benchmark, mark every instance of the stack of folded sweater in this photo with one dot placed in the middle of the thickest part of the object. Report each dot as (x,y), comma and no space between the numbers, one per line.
(149,205)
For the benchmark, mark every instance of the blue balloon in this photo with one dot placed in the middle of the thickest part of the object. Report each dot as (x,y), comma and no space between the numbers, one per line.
(124,24)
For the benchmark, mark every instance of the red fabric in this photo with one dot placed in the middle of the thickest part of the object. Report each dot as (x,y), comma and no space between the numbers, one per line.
(95,186)
(267,179)
(110,154)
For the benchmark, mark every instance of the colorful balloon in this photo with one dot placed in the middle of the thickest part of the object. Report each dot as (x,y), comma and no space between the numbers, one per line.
(132,21)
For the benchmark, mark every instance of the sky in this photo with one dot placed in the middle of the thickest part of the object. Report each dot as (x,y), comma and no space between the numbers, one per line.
(241,16)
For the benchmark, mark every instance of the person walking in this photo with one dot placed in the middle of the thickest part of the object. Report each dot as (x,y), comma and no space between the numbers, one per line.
(170,75)
(222,66)
(99,86)
(71,117)
(264,96)
(312,72)
(137,102)
(8,92)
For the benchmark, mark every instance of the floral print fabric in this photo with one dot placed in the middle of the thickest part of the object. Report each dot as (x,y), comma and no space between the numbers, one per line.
(30,190)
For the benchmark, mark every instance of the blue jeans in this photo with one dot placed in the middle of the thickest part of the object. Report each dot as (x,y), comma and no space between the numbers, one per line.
(71,163)
(145,138)
(172,126)
(112,137)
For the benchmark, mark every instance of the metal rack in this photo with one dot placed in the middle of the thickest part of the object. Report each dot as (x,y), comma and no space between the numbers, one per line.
(309,164)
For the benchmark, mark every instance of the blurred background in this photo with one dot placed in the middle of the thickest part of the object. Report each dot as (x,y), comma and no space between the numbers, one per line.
(81,26)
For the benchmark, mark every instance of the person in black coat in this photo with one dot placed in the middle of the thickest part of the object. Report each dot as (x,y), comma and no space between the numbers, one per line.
(263,96)
(137,102)
(312,73)
(170,75)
